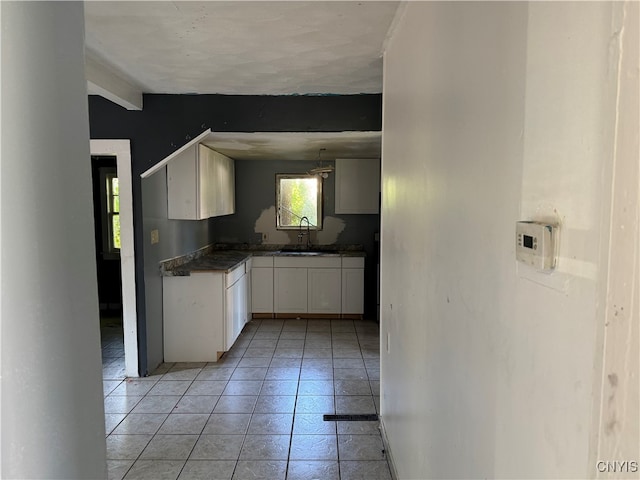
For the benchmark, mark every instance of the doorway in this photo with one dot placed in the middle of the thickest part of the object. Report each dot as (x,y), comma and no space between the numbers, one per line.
(106,215)
(121,151)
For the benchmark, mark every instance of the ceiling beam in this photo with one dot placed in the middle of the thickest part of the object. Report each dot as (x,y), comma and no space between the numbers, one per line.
(104,81)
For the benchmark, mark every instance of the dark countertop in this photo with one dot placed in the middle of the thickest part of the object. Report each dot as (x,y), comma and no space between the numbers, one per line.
(225,261)
(219,261)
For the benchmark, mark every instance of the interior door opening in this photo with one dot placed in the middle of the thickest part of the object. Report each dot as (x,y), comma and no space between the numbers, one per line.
(106,214)
(120,150)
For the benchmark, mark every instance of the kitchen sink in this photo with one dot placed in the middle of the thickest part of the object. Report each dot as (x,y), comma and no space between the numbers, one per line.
(297,251)
(300,252)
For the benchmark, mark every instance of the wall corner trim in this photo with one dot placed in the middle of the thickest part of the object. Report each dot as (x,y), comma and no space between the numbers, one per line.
(397,18)
(163,162)
(387,450)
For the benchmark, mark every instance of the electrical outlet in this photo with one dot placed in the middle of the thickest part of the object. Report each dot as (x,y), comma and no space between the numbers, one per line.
(155,236)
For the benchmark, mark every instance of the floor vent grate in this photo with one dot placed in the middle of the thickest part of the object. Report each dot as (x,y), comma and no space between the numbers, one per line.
(363,417)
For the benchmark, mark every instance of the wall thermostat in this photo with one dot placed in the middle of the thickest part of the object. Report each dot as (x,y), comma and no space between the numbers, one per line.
(537,245)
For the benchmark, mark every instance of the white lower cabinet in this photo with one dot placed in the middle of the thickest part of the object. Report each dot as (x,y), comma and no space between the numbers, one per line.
(290,290)
(236,310)
(324,292)
(262,285)
(203,314)
(352,286)
(194,317)
(353,291)
(307,285)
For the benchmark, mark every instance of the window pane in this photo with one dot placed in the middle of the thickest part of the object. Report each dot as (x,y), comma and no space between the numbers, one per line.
(113,199)
(298,197)
(115,231)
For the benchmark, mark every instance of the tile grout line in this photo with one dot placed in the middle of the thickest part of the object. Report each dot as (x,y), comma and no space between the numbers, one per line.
(295,403)
(361,335)
(335,407)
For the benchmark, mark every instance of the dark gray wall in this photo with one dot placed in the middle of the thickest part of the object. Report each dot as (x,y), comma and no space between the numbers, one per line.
(256,192)
(168,122)
(177,237)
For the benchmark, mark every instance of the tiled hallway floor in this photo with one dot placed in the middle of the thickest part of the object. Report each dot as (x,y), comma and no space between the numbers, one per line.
(255,414)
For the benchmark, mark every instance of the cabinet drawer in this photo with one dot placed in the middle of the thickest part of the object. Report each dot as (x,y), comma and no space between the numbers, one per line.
(352,262)
(307,262)
(262,261)
(234,275)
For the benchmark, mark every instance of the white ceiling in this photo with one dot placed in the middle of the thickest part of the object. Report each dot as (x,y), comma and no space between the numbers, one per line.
(295,145)
(242,47)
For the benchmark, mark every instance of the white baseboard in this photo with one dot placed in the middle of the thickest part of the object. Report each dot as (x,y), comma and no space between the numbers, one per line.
(387,450)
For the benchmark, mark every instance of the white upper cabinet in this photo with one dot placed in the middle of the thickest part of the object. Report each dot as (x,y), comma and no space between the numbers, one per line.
(200,184)
(358,185)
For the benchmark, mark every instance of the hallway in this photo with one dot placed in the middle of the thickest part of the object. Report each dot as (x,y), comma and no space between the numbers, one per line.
(258,413)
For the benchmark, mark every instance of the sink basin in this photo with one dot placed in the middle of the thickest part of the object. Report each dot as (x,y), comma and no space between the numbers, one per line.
(297,251)
(300,252)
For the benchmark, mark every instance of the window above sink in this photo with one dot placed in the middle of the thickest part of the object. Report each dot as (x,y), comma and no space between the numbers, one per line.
(299,202)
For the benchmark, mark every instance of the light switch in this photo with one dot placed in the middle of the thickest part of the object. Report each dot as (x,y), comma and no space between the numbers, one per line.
(155,236)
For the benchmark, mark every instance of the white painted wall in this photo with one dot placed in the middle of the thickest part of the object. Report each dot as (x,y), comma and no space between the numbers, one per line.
(52,400)
(493,113)
(617,435)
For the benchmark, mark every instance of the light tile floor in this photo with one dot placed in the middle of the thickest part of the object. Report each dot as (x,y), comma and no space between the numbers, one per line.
(257,413)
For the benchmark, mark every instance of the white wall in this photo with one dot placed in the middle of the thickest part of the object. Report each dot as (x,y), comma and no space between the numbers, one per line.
(493,113)
(52,400)
(617,410)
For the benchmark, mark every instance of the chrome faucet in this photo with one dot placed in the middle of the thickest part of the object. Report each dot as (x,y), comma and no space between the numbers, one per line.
(301,233)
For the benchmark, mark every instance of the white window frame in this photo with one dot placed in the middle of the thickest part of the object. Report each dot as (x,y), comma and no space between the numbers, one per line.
(109,250)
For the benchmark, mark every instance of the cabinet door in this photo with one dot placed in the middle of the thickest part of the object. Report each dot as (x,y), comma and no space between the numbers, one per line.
(229,314)
(247,309)
(224,184)
(325,290)
(290,290)
(193,317)
(182,186)
(236,311)
(353,291)
(230,187)
(262,290)
(206,176)
(241,295)
(357,185)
